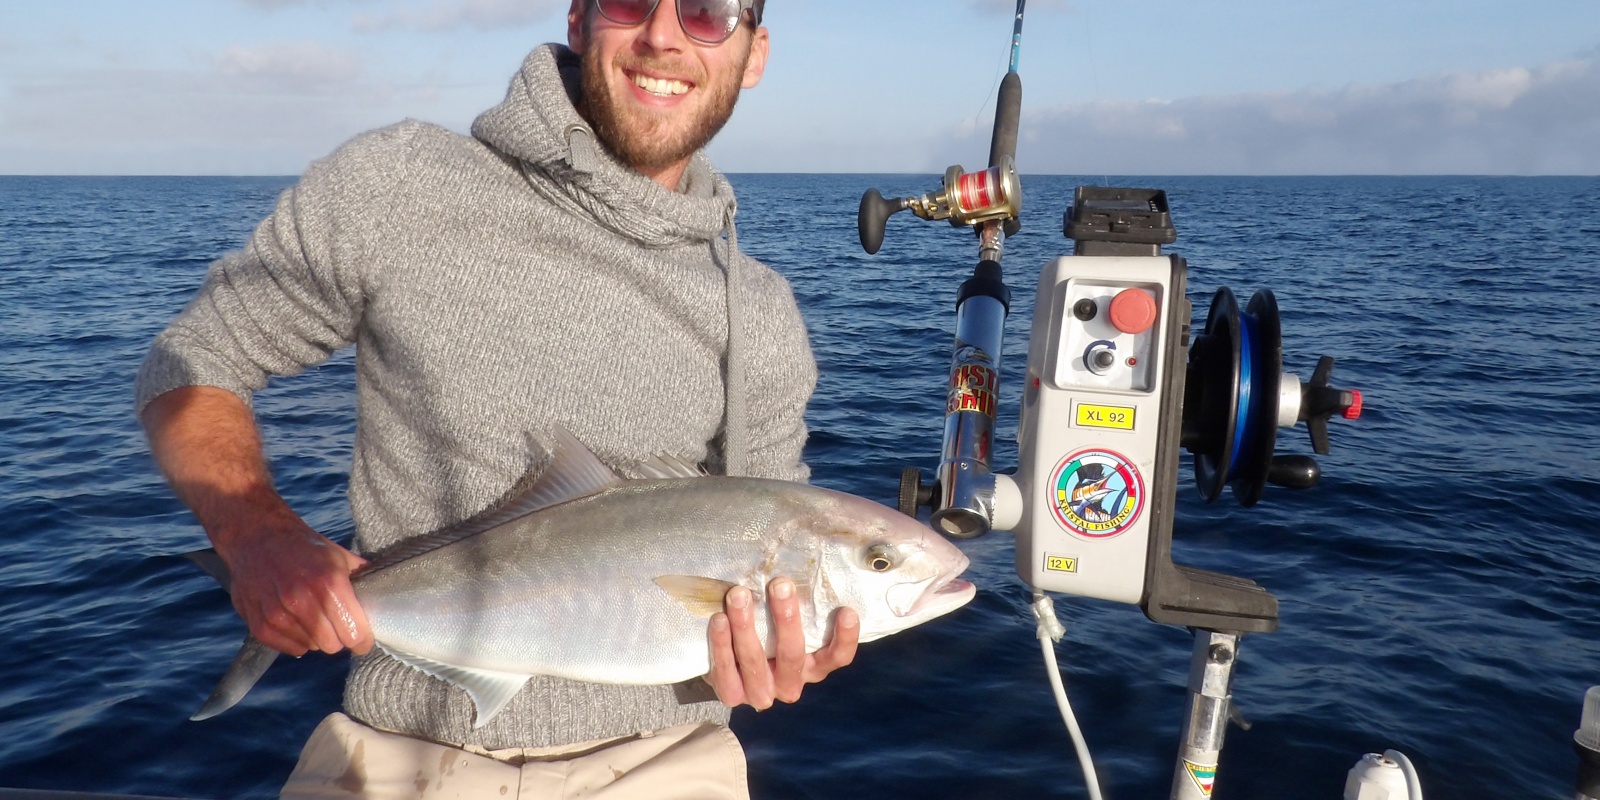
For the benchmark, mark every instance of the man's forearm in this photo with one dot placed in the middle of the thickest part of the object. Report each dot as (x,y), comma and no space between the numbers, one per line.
(290,583)
(206,442)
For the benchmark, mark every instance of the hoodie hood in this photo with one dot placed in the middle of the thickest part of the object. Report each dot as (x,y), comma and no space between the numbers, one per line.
(539,125)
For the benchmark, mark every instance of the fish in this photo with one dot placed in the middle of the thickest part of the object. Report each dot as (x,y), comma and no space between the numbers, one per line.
(590,576)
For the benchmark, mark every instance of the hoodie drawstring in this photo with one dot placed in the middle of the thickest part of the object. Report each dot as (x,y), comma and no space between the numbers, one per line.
(735,442)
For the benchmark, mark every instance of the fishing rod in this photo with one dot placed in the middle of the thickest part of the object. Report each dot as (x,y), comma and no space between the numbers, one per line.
(989,201)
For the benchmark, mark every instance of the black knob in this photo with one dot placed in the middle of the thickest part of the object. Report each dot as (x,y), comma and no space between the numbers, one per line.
(1294,472)
(912,491)
(873,216)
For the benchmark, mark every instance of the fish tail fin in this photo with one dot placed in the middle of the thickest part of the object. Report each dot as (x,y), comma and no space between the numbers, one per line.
(213,565)
(248,666)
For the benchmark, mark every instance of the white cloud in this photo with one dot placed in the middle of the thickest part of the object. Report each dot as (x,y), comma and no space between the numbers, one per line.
(291,66)
(1535,120)
(1495,90)
(445,15)
(245,110)
(270,108)
(1542,120)
(435,15)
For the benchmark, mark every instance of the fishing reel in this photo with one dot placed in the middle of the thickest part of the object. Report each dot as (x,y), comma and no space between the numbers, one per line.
(965,199)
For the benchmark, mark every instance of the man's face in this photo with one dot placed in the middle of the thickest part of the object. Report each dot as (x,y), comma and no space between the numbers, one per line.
(654,95)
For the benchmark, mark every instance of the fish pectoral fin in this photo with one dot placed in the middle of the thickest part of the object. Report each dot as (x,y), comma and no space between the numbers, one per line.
(489,690)
(699,595)
(249,664)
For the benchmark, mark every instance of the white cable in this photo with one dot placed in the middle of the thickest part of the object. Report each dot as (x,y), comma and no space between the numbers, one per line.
(1413,783)
(1044,610)
(1050,631)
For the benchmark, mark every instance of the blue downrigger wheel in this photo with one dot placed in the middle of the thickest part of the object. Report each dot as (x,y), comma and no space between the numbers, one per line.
(1231,404)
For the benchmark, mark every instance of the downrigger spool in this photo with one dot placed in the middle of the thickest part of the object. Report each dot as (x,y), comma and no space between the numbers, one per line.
(1237,396)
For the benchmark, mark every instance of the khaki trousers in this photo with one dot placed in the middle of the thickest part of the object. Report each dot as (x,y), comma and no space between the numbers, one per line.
(346,759)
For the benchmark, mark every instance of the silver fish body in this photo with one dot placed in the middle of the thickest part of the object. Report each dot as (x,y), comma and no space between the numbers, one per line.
(591,577)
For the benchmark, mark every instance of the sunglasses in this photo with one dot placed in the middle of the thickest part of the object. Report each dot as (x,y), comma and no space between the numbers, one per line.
(705,21)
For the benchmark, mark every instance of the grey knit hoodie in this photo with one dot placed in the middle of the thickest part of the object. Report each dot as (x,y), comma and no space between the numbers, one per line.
(494,287)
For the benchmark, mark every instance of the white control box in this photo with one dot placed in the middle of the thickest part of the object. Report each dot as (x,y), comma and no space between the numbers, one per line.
(1107,339)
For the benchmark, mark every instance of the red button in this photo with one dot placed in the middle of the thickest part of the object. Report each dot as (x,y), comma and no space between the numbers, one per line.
(1133,310)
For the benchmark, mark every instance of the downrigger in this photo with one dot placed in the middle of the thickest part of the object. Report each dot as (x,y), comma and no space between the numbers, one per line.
(1119,379)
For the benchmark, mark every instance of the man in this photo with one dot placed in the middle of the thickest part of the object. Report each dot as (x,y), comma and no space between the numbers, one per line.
(573,263)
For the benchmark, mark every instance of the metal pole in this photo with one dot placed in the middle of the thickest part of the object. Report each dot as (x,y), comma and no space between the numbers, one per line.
(1210,693)
(965,505)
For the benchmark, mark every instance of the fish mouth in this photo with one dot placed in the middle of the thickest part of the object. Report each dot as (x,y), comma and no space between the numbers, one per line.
(936,596)
(948,595)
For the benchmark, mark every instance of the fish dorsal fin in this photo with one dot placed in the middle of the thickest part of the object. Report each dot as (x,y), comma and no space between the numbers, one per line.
(489,690)
(668,466)
(698,595)
(571,472)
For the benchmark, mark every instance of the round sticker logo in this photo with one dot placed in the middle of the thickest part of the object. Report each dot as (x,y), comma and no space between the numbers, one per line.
(1098,493)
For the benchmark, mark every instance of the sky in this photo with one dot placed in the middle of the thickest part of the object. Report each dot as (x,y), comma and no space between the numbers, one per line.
(1158,87)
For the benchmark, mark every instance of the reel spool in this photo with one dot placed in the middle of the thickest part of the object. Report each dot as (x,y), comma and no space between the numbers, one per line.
(1235,401)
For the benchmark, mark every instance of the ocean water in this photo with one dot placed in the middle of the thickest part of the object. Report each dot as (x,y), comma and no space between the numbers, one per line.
(1439,588)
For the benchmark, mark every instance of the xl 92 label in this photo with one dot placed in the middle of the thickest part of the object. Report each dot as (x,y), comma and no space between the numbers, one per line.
(1096,416)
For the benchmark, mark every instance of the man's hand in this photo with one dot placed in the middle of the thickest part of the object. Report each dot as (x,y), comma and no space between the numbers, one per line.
(290,583)
(292,587)
(740,670)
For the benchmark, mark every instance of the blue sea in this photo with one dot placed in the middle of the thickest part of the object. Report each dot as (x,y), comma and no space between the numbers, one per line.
(1439,588)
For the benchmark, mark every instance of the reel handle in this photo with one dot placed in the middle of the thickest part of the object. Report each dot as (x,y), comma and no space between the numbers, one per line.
(874,216)
(1294,472)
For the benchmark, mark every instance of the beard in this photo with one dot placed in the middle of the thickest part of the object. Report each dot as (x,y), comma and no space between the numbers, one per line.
(651,139)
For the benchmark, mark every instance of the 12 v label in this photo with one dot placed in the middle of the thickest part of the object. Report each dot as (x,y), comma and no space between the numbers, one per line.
(1060,563)
(1115,417)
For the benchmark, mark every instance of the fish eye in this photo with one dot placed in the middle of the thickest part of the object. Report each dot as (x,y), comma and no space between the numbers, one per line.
(880,558)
